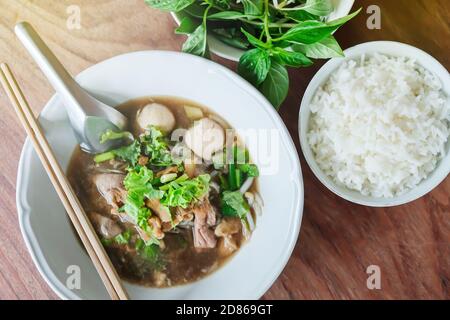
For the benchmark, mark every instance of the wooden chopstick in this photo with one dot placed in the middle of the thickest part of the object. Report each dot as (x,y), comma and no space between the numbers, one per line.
(62,186)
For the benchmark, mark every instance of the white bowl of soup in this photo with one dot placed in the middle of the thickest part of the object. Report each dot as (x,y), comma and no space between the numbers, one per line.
(198,232)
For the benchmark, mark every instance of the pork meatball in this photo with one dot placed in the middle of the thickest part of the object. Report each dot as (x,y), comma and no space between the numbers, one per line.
(204,138)
(158,115)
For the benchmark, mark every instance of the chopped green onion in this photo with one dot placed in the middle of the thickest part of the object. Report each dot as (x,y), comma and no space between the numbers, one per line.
(182,178)
(232,176)
(102,157)
(168,177)
(223,182)
(238,174)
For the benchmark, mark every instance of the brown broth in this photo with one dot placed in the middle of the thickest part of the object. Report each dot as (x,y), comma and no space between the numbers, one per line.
(179,262)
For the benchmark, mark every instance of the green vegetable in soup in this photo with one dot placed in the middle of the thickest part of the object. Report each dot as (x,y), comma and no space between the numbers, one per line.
(239,168)
(139,180)
(112,135)
(173,189)
(250,169)
(273,35)
(232,173)
(156,148)
(139,187)
(151,144)
(183,191)
(175,192)
(151,253)
(233,204)
(123,238)
(129,153)
(168,177)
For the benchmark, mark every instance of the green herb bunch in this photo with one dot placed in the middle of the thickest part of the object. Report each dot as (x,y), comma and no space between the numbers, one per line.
(275,35)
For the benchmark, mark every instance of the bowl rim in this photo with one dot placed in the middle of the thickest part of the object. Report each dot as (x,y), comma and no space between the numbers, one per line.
(226,51)
(23,213)
(443,166)
(296,176)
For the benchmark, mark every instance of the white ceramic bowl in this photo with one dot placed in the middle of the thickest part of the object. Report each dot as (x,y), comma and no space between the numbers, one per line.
(47,231)
(341,9)
(389,48)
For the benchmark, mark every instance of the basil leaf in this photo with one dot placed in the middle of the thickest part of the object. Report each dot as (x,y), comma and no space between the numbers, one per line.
(291,58)
(308,32)
(195,10)
(234,42)
(224,4)
(187,26)
(254,65)
(300,15)
(339,22)
(311,10)
(324,49)
(320,8)
(276,85)
(283,44)
(232,37)
(253,7)
(196,42)
(229,15)
(169,5)
(253,40)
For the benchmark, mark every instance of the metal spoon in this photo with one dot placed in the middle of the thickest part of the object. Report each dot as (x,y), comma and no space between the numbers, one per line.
(88,116)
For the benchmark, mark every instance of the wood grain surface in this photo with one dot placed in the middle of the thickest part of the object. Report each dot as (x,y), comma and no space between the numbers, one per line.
(338,240)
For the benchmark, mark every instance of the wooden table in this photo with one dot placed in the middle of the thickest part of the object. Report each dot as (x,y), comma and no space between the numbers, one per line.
(338,240)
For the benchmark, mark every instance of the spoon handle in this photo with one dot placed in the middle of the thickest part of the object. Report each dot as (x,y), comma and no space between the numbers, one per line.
(67,88)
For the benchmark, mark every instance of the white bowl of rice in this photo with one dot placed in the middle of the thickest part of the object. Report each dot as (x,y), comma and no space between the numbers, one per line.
(374,126)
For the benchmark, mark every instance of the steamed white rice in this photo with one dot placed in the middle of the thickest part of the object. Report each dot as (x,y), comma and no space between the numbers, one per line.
(379,125)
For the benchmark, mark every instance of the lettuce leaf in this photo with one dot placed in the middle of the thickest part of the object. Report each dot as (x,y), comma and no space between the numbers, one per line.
(183,191)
